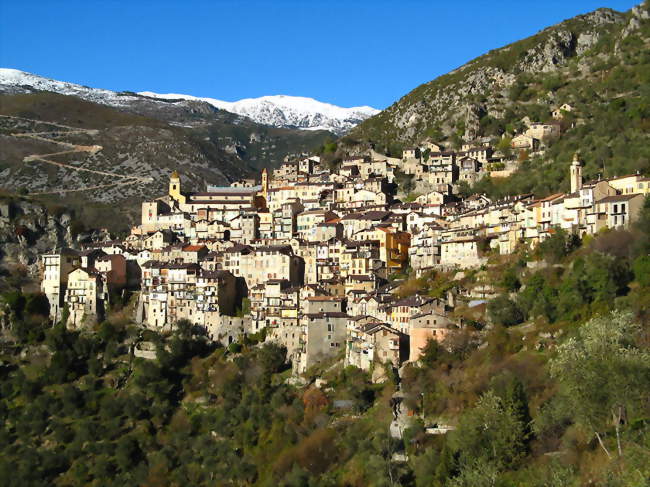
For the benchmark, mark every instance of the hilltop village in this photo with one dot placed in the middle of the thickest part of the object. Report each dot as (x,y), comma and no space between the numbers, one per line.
(314,256)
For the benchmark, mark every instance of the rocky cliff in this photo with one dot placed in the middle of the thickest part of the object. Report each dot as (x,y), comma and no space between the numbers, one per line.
(27,230)
(456,103)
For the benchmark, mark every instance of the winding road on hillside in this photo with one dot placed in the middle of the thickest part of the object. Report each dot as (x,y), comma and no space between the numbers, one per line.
(51,137)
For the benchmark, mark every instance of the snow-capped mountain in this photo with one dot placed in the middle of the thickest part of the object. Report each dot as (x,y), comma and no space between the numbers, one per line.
(287,111)
(278,111)
(16,81)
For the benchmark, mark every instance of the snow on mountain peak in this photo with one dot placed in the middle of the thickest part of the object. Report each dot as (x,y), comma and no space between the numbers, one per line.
(275,110)
(287,111)
(16,81)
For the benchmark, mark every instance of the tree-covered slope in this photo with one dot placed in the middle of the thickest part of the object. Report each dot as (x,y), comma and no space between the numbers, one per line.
(553,393)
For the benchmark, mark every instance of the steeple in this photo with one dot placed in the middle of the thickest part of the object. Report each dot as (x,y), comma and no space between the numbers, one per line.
(576,173)
(175,187)
(265,183)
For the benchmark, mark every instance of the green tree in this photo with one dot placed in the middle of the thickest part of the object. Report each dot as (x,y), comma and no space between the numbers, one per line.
(478,473)
(510,280)
(560,244)
(431,353)
(510,389)
(641,267)
(603,376)
(404,181)
(504,311)
(505,146)
(464,190)
(491,432)
(538,298)
(642,227)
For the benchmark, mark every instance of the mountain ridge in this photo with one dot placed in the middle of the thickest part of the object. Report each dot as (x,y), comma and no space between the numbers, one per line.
(281,111)
(286,111)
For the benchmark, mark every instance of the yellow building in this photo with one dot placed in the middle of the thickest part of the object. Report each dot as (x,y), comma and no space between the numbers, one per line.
(634,184)
(175,188)
(393,245)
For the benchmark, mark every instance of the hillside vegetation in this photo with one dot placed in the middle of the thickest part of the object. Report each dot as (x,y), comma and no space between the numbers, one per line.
(552,393)
(599,63)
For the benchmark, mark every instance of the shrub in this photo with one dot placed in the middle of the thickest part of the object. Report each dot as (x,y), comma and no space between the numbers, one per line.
(560,244)
(504,311)
(641,267)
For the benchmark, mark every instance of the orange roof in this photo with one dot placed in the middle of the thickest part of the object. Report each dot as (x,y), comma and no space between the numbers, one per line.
(552,197)
(193,248)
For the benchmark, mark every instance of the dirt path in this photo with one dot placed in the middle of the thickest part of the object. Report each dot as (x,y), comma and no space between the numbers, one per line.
(72,149)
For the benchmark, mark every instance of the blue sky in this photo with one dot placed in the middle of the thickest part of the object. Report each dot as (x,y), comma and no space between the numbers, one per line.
(343,52)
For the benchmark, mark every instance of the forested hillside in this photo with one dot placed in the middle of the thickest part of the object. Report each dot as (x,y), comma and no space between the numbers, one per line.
(548,388)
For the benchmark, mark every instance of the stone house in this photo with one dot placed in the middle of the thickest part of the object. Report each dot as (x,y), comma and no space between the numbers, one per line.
(541,131)
(193,253)
(324,337)
(114,269)
(269,262)
(427,326)
(621,210)
(158,240)
(461,252)
(559,112)
(55,269)
(633,184)
(411,153)
(431,198)
(525,142)
(85,297)
(307,220)
(360,282)
(375,343)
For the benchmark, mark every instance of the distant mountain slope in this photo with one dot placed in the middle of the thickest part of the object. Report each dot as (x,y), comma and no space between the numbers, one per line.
(598,62)
(145,136)
(279,111)
(132,146)
(205,144)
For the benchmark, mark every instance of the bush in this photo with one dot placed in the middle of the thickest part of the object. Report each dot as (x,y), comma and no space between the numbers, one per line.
(491,432)
(641,267)
(504,311)
(560,244)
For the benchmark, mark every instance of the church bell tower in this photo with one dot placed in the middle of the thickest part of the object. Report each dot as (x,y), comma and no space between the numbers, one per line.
(265,183)
(175,187)
(576,174)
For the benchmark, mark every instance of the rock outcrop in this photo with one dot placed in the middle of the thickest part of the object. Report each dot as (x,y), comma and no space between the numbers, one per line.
(26,231)
(457,101)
